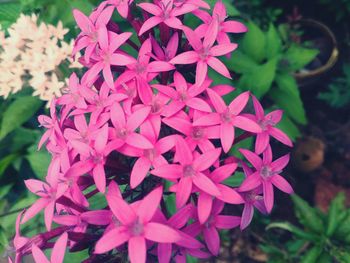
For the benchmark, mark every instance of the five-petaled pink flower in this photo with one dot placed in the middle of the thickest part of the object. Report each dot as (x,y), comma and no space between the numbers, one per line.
(136,227)
(267,174)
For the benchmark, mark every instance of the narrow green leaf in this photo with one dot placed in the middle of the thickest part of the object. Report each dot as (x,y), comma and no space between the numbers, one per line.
(253,43)
(6,162)
(312,255)
(307,215)
(20,111)
(289,127)
(235,180)
(334,213)
(4,190)
(39,161)
(325,257)
(273,42)
(293,229)
(343,230)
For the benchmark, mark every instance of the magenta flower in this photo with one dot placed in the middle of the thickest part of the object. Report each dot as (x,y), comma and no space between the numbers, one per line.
(267,123)
(267,174)
(227,117)
(220,14)
(122,6)
(137,227)
(106,56)
(204,53)
(89,26)
(189,172)
(183,96)
(136,124)
(164,12)
(57,254)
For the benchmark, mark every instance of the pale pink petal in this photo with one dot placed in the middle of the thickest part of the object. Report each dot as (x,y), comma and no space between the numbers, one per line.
(208,120)
(205,203)
(201,72)
(121,209)
(105,16)
(59,249)
(253,158)
(238,104)
(101,139)
(151,8)
(112,239)
(279,164)
(168,171)
(149,204)
(250,183)
(280,136)
(223,49)
(82,20)
(223,172)
(217,101)
(183,152)
(205,184)
(120,59)
(262,141)
(138,141)
(227,222)
(35,208)
(38,255)
(259,111)
(48,214)
(229,195)
(183,192)
(37,187)
(198,104)
(161,233)
(99,177)
(275,116)
(159,66)
(212,239)
(227,135)
(188,57)
(193,38)
(137,118)
(137,249)
(268,196)
(150,23)
(247,215)
(234,27)
(207,159)
(173,22)
(103,37)
(164,252)
(282,184)
(98,217)
(139,171)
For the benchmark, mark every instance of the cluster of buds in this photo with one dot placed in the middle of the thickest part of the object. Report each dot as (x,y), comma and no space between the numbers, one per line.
(142,131)
(30,54)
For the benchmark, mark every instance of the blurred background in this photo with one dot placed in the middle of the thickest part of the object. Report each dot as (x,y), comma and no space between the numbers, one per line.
(296,56)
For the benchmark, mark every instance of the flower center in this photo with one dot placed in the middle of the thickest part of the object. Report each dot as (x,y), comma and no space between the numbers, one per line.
(264,124)
(204,53)
(150,154)
(136,228)
(156,107)
(266,172)
(226,116)
(197,133)
(122,133)
(140,68)
(188,171)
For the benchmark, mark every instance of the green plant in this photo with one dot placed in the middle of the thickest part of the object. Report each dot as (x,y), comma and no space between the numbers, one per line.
(341,8)
(338,93)
(266,65)
(322,237)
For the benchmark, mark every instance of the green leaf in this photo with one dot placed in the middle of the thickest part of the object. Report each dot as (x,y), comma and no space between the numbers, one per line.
(4,190)
(335,209)
(246,144)
(239,62)
(312,255)
(343,230)
(39,161)
(273,43)
(20,111)
(98,201)
(235,180)
(289,127)
(325,257)
(298,57)
(259,80)
(190,259)
(293,229)
(307,215)
(9,11)
(287,97)
(253,43)
(6,162)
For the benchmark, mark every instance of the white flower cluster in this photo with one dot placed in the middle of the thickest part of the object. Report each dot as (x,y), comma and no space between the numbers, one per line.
(30,56)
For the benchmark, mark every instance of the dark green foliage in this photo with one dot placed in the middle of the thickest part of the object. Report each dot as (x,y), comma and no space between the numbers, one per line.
(338,93)
(319,238)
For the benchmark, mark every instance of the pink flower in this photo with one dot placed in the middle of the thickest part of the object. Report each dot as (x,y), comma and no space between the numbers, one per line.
(122,6)
(266,174)
(189,171)
(267,123)
(143,71)
(168,52)
(137,227)
(183,96)
(164,12)
(227,117)
(106,56)
(48,194)
(204,53)
(88,38)
(57,254)
(220,14)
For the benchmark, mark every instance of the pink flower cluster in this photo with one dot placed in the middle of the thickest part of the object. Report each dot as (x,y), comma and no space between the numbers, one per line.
(142,130)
